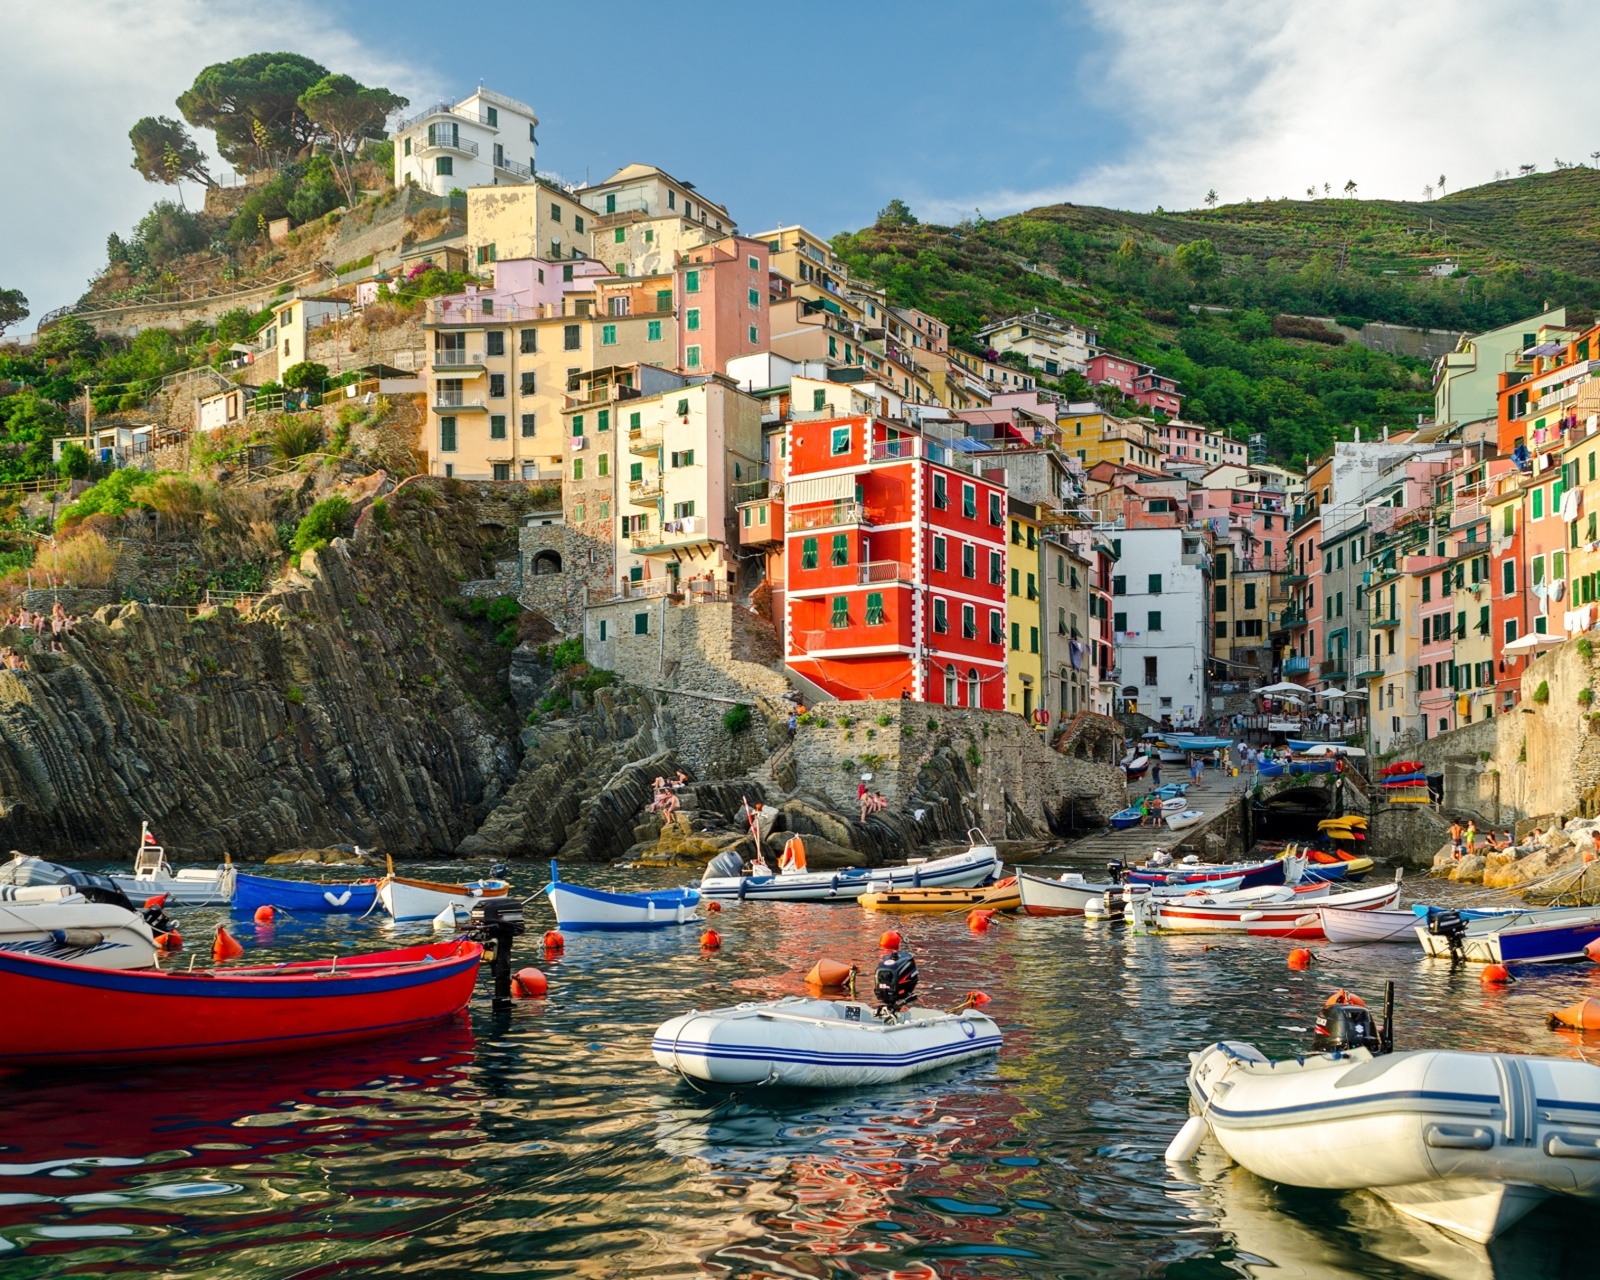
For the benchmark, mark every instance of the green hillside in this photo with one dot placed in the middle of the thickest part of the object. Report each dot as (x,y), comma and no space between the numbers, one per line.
(1518,244)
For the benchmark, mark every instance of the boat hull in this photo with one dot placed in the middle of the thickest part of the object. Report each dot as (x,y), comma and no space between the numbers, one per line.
(423,900)
(1250,875)
(963,870)
(1342,925)
(1466,1141)
(1004,896)
(1182,915)
(1307,924)
(1527,938)
(189,887)
(1042,897)
(811,1043)
(96,935)
(581,909)
(304,896)
(66,1015)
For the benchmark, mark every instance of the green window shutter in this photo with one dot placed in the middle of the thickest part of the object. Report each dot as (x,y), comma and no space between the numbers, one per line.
(577,424)
(653,331)
(1033,639)
(841,612)
(841,549)
(447,435)
(819,399)
(577,468)
(874,608)
(636,472)
(1016,635)
(641,624)
(603,422)
(691,320)
(691,282)
(604,467)
(808,553)
(692,358)
(663,299)
(1014,582)
(608,335)
(620,236)
(755,298)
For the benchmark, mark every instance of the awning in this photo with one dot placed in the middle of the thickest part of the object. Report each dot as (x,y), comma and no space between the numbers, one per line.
(839,488)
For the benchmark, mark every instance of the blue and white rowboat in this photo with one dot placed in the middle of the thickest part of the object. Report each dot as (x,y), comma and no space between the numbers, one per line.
(582,909)
(819,1043)
(1527,937)
(978,865)
(304,896)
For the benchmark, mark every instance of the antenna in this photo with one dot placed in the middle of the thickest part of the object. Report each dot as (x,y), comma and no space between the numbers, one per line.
(1386,1036)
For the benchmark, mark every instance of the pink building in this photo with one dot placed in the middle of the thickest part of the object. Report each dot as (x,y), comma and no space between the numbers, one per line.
(722,291)
(1138,382)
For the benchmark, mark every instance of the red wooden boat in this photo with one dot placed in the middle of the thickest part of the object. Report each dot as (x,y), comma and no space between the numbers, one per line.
(63,1014)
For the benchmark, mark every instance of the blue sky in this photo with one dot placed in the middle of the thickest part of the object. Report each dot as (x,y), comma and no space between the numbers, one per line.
(819,113)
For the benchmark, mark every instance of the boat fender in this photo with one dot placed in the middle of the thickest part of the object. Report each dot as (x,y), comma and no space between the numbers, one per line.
(1495,975)
(529,984)
(831,975)
(225,946)
(713,905)
(979,920)
(554,943)
(1583,1016)
(833,886)
(889,941)
(1299,958)
(171,940)
(916,877)
(710,940)
(744,884)
(1593,951)
(1187,1141)
(155,903)
(264,915)
(78,937)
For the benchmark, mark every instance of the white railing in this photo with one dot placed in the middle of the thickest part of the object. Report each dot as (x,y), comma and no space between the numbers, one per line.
(442,109)
(449,400)
(883,571)
(840,513)
(451,358)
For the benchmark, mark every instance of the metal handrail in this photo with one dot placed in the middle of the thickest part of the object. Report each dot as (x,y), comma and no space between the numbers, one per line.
(505,162)
(442,109)
(883,571)
(840,513)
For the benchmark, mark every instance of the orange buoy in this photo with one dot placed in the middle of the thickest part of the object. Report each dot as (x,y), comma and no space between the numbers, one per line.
(710,940)
(974,999)
(1593,951)
(225,946)
(831,975)
(713,905)
(171,940)
(264,915)
(979,919)
(1495,975)
(160,900)
(889,941)
(1300,958)
(1583,1016)
(553,941)
(529,984)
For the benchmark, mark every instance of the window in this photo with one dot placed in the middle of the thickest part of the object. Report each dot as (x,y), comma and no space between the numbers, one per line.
(938,553)
(996,573)
(577,424)
(1119,585)
(941,620)
(969,501)
(572,337)
(577,468)
(841,549)
(1033,639)
(969,560)
(755,299)
(641,624)
(833,346)
(555,213)
(603,464)
(1016,636)
(1155,584)
(497,384)
(444,166)
(755,263)
(1249,595)
(1154,620)
(997,633)
(497,426)
(494,118)
(529,422)
(1015,590)
(839,439)
(652,331)
(1508,577)
(1427,588)
(1219,599)
(969,622)
(447,435)
(808,553)
(608,335)
(529,383)
(602,628)
(682,458)
(495,341)
(691,319)
(691,358)
(408,146)
(1150,673)
(683,408)
(1119,622)
(874,608)
(941,499)
(755,336)
(840,615)
(1016,533)
(1538,504)
(1220,630)
(1033,588)
(682,510)
(691,282)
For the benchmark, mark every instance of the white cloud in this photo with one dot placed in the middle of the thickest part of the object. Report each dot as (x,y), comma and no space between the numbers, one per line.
(80,72)
(1261,98)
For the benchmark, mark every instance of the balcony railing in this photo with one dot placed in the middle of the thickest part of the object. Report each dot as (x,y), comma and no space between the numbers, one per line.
(645,439)
(840,513)
(1331,667)
(684,531)
(442,109)
(457,400)
(883,571)
(486,310)
(646,491)
(1296,666)
(511,166)
(447,142)
(455,359)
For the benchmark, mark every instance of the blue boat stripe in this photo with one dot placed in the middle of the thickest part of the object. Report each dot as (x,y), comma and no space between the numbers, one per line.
(293,986)
(1360,1100)
(663,898)
(632,926)
(821,1057)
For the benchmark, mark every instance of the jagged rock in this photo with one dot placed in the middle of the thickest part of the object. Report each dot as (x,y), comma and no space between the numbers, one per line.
(324,857)
(1469,870)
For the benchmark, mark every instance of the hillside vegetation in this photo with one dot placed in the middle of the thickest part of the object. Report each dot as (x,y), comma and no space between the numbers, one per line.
(1518,245)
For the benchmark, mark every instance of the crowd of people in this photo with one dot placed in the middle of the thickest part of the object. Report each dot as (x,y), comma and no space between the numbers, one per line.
(39,628)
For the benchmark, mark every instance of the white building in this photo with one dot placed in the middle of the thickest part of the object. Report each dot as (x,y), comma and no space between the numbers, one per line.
(484,140)
(1161,623)
(1050,344)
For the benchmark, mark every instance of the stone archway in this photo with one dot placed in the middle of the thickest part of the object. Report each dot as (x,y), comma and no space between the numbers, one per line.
(546,564)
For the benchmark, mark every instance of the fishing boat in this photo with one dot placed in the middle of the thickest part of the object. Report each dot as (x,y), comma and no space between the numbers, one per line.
(1123,819)
(581,909)
(190,887)
(1003,895)
(1525,936)
(814,1043)
(1343,925)
(1183,820)
(1204,912)
(57,922)
(1307,925)
(1071,894)
(1167,790)
(1286,869)
(425,899)
(977,865)
(1135,765)
(1470,1142)
(67,1015)
(309,897)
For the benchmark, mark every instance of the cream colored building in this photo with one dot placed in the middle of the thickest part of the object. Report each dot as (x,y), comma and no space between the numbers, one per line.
(1048,343)
(650,192)
(534,220)
(805,258)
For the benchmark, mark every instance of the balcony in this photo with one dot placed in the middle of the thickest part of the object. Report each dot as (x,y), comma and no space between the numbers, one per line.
(1293,618)
(1386,622)
(757,491)
(830,517)
(446,140)
(1332,669)
(1289,579)
(442,109)
(1376,673)
(1296,666)
(485,309)
(645,493)
(507,165)
(445,359)
(645,440)
(883,571)
(674,535)
(457,402)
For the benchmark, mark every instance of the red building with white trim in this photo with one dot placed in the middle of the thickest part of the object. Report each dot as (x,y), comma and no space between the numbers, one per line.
(895,565)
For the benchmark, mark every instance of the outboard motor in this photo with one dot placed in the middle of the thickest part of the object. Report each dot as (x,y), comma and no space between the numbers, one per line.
(1344,1022)
(1452,927)
(726,865)
(1114,870)
(495,922)
(895,983)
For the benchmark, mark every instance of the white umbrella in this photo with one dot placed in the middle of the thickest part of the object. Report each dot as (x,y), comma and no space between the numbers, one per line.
(1533,640)
(1332,693)
(1283,687)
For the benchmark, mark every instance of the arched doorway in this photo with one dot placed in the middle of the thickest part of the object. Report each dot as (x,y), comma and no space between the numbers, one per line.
(546,563)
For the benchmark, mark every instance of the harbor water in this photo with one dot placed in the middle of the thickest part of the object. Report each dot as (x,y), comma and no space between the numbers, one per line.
(547,1142)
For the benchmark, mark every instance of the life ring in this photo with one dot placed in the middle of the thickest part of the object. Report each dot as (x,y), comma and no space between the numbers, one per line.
(1041,716)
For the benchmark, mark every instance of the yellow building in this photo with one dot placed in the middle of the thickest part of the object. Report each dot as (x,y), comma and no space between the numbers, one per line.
(1024,611)
(805,259)
(1092,435)
(530,220)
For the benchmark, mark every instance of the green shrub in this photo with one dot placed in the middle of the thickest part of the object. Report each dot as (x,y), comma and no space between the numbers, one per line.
(737,719)
(568,653)
(75,463)
(849,766)
(596,680)
(112,496)
(381,515)
(843,722)
(326,521)
(884,720)
(1585,697)
(933,725)
(1542,693)
(308,375)
(973,758)
(294,695)
(504,609)
(807,718)
(1584,645)
(295,437)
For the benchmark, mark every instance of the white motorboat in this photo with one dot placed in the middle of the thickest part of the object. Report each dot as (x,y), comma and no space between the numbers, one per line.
(1071,894)
(1206,912)
(1183,819)
(56,922)
(1293,922)
(1469,1142)
(427,900)
(579,908)
(722,878)
(1528,936)
(190,887)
